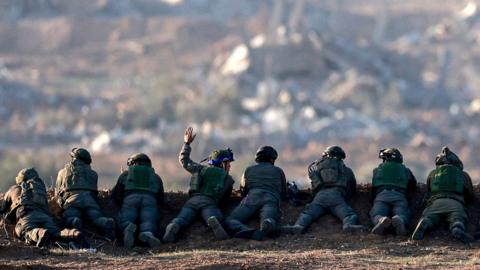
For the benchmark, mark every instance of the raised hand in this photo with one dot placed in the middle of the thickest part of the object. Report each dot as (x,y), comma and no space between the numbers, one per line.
(189,136)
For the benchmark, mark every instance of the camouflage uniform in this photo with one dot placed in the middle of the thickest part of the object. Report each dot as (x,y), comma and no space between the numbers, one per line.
(449,190)
(26,205)
(391,183)
(199,203)
(76,191)
(332,184)
(139,191)
(263,186)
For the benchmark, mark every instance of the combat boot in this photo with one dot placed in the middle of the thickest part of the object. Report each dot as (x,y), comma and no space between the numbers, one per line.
(108,227)
(399,225)
(267,226)
(217,228)
(170,233)
(382,224)
(72,235)
(353,228)
(43,237)
(420,230)
(129,235)
(293,229)
(150,239)
(461,235)
(77,223)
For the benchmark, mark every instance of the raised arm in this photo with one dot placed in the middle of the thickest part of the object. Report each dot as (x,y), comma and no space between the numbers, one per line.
(184,156)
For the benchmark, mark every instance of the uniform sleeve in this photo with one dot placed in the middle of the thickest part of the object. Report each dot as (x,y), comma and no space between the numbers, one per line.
(228,187)
(283,194)
(184,159)
(161,191)
(118,190)
(468,188)
(243,184)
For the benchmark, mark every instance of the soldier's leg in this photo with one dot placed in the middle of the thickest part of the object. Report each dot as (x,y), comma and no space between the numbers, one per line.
(213,216)
(379,214)
(236,220)
(95,215)
(31,232)
(183,219)
(72,217)
(401,216)
(430,218)
(269,217)
(148,221)
(311,212)
(126,219)
(457,220)
(348,216)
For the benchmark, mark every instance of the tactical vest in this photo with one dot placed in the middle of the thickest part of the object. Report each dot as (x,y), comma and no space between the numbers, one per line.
(391,174)
(141,178)
(447,179)
(209,182)
(80,177)
(328,172)
(33,193)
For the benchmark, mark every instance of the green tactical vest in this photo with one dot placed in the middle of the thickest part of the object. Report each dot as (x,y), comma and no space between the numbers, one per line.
(80,177)
(141,178)
(329,172)
(33,193)
(209,182)
(447,179)
(391,174)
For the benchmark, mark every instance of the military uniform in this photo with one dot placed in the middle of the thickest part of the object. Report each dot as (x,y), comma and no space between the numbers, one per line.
(449,190)
(263,186)
(332,183)
(26,205)
(209,186)
(139,191)
(76,191)
(391,183)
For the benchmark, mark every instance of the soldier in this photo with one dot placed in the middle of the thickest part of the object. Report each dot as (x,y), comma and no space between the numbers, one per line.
(332,184)
(26,205)
(449,190)
(391,183)
(76,191)
(139,191)
(262,186)
(209,186)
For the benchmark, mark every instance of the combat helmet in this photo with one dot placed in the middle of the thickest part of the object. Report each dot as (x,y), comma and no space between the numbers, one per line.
(446,156)
(334,151)
(26,174)
(139,159)
(390,154)
(266,153)
(81,154)
(217,157)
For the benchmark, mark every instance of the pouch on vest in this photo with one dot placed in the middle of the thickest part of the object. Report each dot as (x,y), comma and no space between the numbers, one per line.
(212,182)
(80,178)
(447,179)
(331,173)
(391,174)
(141,178)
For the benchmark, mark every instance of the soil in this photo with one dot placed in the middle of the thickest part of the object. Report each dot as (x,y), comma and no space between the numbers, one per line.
(323,246)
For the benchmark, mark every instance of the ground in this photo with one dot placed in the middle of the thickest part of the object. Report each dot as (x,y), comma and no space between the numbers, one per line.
(323,246)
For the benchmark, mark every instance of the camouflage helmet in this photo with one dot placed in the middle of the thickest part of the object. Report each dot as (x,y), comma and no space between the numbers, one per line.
(446,156)
(334,151)
(390,154)
(81,154)
(266,153)
(26,174)
(218,156)
(140,159)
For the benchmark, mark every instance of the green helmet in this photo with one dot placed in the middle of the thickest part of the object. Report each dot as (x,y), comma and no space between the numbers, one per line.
(390,154)
(266,153)
(81,154)
(334,151)
(26,174)
(448,157)
(139,159)
(218,156)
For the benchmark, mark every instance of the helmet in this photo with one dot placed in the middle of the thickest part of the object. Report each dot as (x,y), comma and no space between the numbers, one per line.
(218,156)
(390,154)
(81,154)
(448,157)
(266,153)
(140,159)
(334,151)
(26,174)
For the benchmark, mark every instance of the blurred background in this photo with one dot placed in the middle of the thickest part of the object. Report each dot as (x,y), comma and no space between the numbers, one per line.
(126,76)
